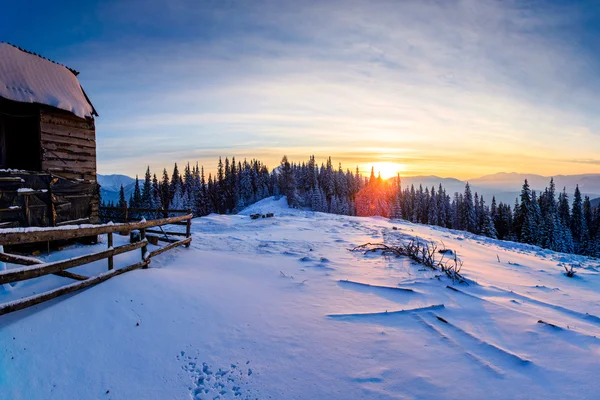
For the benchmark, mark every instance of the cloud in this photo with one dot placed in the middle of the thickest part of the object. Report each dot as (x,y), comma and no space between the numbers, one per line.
(439,80)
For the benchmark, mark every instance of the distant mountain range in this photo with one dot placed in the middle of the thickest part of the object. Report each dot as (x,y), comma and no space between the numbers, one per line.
(504,186)
(110,185)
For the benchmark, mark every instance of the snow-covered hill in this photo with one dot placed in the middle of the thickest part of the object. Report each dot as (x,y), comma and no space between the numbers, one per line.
(279,308)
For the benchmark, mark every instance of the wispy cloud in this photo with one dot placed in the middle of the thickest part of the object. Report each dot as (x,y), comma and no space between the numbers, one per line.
(443,81)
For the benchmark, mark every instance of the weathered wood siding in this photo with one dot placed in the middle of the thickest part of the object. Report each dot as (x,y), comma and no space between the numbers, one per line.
(69,151)
(68,145)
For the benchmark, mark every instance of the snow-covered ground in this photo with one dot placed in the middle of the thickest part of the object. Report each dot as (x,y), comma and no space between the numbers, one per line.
(278,308)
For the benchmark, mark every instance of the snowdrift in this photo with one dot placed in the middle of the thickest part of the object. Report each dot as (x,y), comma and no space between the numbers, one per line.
(279,308)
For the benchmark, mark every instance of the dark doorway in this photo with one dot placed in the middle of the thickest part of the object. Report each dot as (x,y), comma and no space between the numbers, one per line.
(19,137)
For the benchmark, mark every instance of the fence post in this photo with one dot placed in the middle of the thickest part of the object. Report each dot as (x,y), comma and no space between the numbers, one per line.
(145,248)
(188,228)
(110,244)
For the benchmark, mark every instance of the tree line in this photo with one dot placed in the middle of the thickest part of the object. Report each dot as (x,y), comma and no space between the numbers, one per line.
(543,219)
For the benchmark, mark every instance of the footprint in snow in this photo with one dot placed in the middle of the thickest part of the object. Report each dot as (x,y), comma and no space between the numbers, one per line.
(219,383)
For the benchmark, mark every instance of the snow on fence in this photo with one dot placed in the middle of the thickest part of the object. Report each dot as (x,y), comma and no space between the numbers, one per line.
(34,268)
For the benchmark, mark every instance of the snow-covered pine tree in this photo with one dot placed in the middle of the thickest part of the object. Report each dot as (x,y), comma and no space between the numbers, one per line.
(147,197)
(487,227)
(523,223)
(136,196)
(468,211)
(165,190)
(578,227)
(535,219)
(432,208)
(156,192)
(178,200)
(396,212)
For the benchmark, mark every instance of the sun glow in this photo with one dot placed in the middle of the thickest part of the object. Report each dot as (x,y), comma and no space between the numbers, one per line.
(387,169)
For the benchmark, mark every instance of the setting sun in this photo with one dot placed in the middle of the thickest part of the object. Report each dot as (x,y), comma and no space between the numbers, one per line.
(387,169)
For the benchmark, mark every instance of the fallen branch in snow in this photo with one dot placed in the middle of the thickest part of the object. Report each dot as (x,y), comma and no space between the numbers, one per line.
(570,272)
(424,253)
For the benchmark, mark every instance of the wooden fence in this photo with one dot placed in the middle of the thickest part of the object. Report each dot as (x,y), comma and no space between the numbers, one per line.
(33,268)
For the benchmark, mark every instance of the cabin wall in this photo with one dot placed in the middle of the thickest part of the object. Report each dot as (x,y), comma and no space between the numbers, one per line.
(68,146)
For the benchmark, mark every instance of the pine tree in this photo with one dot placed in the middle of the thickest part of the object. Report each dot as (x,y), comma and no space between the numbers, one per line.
(578,227)
(122,201)
(523,219)
(156,192)
(468,211)
(136,197)
(165,191)
(147,198)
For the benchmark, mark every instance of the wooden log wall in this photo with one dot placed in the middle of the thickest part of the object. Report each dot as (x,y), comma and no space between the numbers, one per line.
(68,146)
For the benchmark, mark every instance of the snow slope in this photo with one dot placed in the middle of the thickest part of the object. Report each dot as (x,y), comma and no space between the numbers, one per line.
(278,308)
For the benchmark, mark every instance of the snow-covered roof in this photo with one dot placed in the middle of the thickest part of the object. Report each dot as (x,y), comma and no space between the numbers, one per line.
(29,78)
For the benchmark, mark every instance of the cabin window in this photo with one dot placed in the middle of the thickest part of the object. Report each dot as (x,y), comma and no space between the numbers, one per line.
(20,141)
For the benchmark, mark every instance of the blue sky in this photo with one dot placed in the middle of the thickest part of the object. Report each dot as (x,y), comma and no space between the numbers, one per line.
(453,88)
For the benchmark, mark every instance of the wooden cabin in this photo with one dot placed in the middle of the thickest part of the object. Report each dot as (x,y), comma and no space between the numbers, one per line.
(47,143)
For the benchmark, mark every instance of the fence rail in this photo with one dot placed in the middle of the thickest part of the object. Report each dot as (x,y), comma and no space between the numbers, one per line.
(33,268)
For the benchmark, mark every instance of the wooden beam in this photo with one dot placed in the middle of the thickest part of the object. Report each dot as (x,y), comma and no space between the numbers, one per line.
(40,298)
(72,275)
(162,238)
(28,272)
(169,246)
(188,230)
(33,235)
(110,258)
(22,260)
(166,232)
(154,210)
(75,221)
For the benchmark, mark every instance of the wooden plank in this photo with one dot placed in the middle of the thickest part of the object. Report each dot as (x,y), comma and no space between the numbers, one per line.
(69,131)
(78,154)
(72,275)
(145,247)
(56,118)
(170,246)
(10,210)
(40,298)
(87,176)
(110,258)
(74,222)
(162,238)
(24,273)
(50,139)
(11,179)
(188,230)
(52,146)
(19,236)
(80,165)
(166,233)
(32,192)
(154,210)
(21,260)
